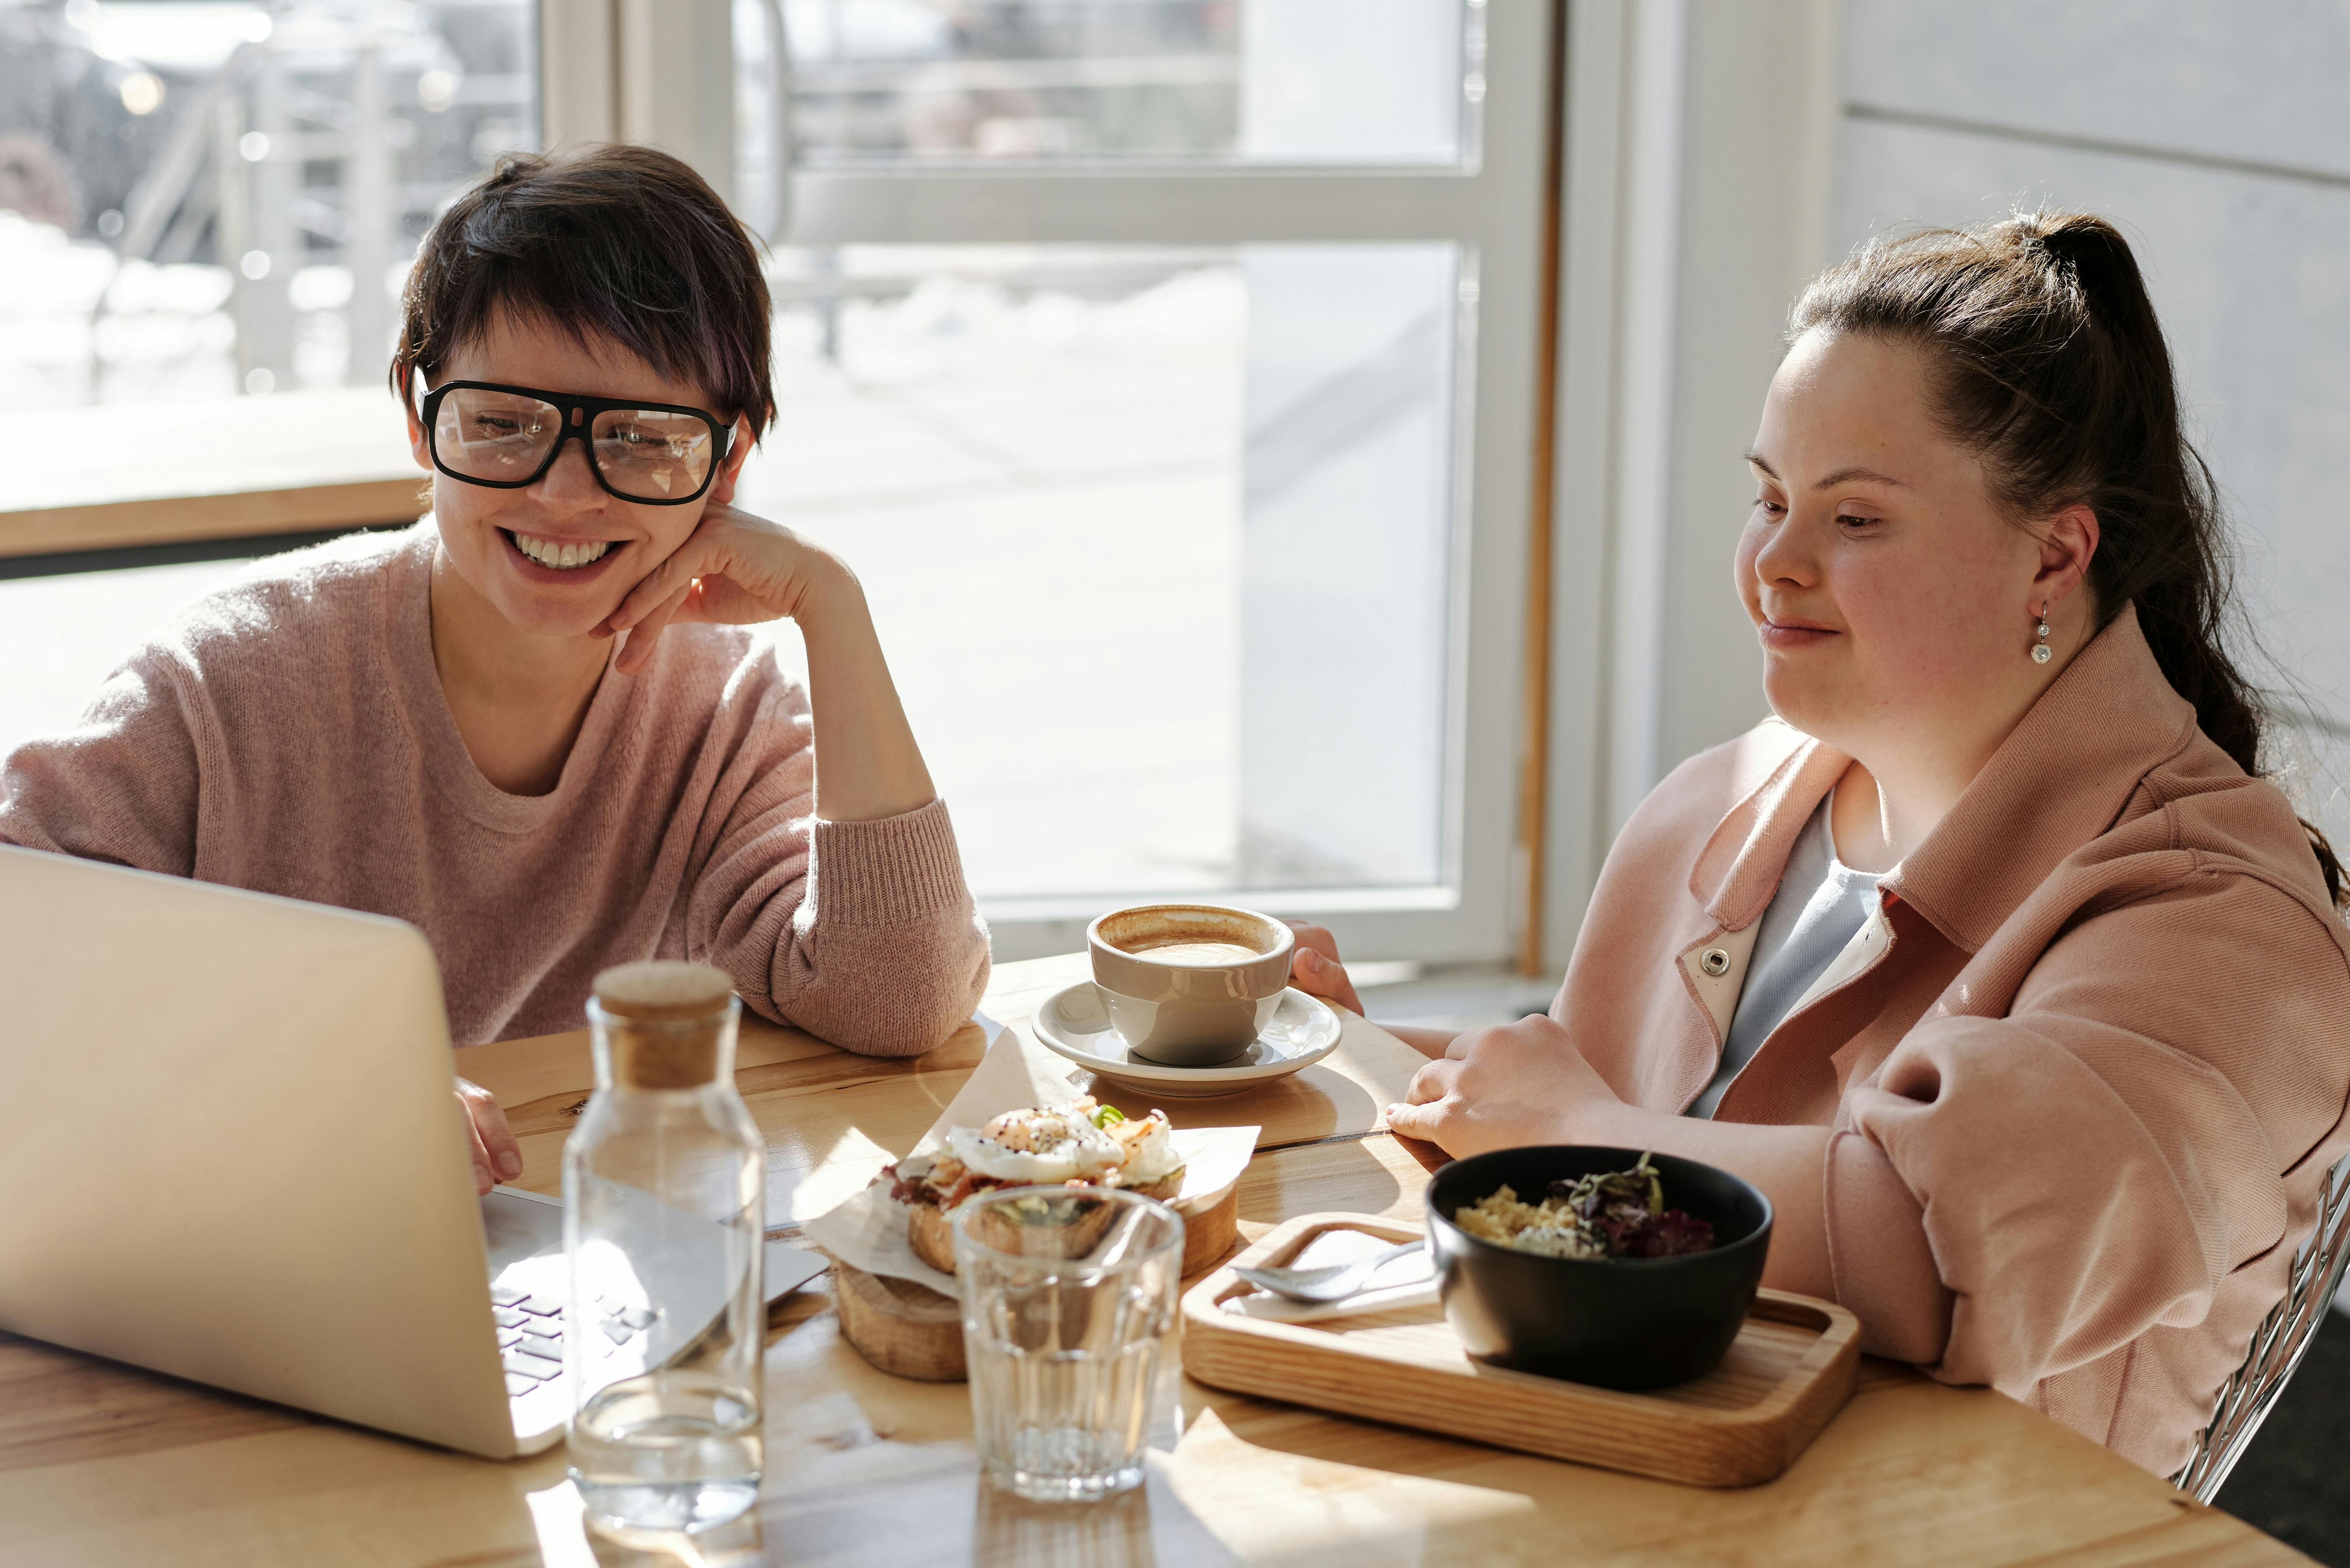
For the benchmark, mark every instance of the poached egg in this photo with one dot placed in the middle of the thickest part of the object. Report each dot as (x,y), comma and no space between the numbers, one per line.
(1037,1145)
(1045,1146)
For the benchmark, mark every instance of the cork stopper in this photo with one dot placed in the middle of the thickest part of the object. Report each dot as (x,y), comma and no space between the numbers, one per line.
(666,1021)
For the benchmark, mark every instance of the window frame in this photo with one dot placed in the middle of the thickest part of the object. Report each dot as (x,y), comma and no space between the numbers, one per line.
(1493,206)
(608,72)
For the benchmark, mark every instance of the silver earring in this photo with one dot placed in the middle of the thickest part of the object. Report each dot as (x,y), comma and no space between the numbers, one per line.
(2040,650)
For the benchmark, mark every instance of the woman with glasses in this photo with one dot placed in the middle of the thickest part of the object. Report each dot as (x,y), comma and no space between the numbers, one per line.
(1994,959)
(531,724)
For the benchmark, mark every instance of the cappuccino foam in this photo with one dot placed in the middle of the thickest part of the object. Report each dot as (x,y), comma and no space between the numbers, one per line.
(1197,955)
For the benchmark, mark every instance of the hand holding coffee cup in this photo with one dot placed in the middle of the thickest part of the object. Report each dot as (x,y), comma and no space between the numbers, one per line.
(1316,970)
(1189,985)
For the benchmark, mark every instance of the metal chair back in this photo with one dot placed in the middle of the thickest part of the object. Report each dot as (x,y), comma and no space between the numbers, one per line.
(2284,1334)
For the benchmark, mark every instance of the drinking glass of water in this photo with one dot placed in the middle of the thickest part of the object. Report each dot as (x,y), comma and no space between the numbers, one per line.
(1069,1329)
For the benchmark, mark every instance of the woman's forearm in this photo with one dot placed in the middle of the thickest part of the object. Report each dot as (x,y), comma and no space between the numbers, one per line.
(868,765)
(1426,1042)
(1788,1163)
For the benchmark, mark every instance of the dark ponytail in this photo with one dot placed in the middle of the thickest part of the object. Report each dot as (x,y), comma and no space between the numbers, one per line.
(2048,362)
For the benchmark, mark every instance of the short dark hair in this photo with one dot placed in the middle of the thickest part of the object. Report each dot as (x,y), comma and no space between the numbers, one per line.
(625,243)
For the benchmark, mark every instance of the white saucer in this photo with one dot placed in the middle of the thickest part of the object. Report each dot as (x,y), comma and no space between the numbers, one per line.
(1074,1023)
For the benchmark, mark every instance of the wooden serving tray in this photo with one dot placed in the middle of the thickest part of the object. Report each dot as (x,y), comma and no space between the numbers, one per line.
(912,1331)
(1787,1374)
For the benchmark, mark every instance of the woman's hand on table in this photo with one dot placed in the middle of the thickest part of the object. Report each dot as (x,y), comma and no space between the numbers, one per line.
(1314,969)
(1505,1087)
(496,1155)
(1526,1083)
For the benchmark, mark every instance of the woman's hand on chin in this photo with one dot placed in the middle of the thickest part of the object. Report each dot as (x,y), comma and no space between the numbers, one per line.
(1506,1088)
(733,570)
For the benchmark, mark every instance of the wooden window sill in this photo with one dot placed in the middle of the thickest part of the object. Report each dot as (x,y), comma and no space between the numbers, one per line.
(294,463)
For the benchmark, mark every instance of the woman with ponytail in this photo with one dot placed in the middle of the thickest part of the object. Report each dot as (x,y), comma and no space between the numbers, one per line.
(1993,958)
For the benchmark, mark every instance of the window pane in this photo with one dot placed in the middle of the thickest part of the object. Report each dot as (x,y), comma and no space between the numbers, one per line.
(61,637)
(1159,540)
(1291,81)
(215,198)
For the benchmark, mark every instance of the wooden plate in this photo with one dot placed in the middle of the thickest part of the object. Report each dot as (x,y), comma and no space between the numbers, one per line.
(1788,1373)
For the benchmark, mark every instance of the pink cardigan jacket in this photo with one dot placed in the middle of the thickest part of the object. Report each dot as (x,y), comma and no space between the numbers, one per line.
(2087,1078)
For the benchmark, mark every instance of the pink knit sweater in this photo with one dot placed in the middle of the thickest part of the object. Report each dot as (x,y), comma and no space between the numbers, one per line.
(288,734)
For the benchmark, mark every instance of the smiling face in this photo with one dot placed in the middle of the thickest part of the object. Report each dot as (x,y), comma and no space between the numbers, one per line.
(1893,598)
(511,546)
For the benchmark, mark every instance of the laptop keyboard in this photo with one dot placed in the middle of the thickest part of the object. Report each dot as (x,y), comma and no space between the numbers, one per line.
(530,1338)
(530,1334)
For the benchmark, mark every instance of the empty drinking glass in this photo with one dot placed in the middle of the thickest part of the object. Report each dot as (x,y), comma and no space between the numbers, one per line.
(1069,1331)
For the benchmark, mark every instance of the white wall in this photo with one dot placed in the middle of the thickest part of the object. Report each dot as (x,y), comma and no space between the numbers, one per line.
(1696,179)
(1753,195)
(2217,135)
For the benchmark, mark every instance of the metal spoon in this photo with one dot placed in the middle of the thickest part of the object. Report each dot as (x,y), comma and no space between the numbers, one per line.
(1333,1283)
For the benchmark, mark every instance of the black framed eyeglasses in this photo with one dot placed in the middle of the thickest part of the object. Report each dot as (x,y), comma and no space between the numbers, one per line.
(662,454)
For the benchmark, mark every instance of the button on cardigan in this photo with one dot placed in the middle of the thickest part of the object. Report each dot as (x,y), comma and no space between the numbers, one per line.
(288,734)
(2082,1097)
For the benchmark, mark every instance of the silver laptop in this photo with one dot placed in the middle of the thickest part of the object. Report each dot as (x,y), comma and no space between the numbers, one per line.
(229,1152)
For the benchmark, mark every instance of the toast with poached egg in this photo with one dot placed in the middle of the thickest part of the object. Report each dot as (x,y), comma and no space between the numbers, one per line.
(1080,1145)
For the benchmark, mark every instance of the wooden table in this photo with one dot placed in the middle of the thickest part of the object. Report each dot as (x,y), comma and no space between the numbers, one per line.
(102,1464)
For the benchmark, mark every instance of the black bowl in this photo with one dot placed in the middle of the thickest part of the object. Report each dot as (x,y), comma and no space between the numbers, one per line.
(1616,1323)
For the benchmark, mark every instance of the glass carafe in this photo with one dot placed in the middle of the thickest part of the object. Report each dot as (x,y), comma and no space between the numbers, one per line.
(664,1221)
